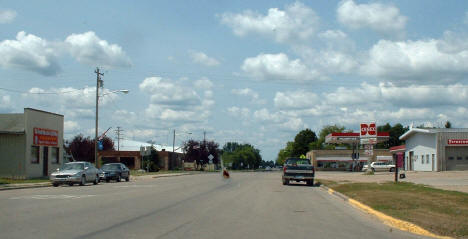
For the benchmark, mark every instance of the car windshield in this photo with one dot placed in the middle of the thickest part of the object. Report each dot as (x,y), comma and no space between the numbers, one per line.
(73,166)
(111,167)
(297,161)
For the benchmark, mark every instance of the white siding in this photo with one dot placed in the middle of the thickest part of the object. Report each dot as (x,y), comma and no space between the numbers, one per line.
(422,144)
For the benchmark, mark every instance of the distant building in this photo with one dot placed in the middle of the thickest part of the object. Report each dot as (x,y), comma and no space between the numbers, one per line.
(341,159)
(31,143)
(436,149)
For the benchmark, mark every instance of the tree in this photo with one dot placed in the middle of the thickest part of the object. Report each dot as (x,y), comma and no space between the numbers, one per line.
(448,125)
(241,155)
(82,148)
(326,130)
(394,135)
(285,153)
(198,151)
(302,141)
(151,162)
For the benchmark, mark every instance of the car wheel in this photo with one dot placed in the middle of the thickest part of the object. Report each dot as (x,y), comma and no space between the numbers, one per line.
(119,178)
(107,180)
(127,178)
(285,182)
(55,184)
(96,180)
(310,182)
(83,180)
(71,184)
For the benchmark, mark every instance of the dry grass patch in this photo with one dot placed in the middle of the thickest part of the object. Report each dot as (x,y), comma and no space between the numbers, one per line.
(439,211)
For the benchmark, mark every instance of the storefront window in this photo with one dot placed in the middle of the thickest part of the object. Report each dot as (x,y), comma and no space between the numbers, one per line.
(459,158)
(35,154)
(55,155)
(450,158)
(422,159)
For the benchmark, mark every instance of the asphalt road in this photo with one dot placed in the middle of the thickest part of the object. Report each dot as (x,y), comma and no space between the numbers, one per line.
(249,205)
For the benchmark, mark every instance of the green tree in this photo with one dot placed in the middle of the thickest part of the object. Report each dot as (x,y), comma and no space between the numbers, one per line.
(285,153)
(241,155)
(395,132)
(302,141)
(82,148)
(448,125)
(326,130)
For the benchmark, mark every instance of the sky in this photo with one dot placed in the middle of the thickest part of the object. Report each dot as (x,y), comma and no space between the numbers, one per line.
(253,72)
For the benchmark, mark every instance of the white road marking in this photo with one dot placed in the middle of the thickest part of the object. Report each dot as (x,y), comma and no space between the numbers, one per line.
(53,197)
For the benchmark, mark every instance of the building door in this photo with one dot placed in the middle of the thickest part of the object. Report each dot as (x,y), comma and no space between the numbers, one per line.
(411,155)
(457,158)
(433,169)
(45,163)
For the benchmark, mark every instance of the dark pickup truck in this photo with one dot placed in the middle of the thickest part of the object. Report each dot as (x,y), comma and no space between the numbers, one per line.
(297,169)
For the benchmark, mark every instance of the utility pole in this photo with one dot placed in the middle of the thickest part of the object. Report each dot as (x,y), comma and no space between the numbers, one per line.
(173,142)
(118,130)
(99,83)
(204,136)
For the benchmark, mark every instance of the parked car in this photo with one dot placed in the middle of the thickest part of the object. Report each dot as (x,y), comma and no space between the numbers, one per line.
(380,166)
(268,168)
(75,172)
(297,169)
(115,171)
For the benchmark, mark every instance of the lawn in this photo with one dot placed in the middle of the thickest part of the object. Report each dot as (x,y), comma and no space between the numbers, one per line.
(14,181)
(137,173)
(439,211)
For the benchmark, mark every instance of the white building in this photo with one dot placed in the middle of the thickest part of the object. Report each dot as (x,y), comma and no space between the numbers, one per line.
(31,143)
(436,149)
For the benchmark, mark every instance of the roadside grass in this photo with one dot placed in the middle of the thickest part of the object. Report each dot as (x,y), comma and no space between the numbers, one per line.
(137,173)
(15,181)
(440,211)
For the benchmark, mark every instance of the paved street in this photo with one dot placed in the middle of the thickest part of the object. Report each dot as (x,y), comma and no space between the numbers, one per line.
(249,205)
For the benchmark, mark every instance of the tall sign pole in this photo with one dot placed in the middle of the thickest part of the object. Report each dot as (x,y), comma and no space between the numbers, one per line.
(368,137)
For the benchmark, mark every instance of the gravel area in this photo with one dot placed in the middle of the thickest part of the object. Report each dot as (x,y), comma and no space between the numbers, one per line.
(448,180)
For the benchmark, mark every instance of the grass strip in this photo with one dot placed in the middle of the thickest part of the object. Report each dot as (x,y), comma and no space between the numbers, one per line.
(15,181)
(439,211)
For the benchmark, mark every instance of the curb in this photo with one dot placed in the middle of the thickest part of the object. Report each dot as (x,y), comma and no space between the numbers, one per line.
(16,186)
(386,219)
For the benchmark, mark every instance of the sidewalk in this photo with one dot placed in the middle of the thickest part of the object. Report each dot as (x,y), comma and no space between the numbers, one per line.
(48,184)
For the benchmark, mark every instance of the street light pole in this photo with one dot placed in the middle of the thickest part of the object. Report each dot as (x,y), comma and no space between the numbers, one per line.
(98,79)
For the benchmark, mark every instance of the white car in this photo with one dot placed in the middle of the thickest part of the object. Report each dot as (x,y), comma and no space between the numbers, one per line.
(380,166)
(75,172)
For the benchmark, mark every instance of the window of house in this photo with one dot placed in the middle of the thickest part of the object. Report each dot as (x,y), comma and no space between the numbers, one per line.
(433,157)
(422,158)
(35,154)
(55,155)
(459,158)
(427,158)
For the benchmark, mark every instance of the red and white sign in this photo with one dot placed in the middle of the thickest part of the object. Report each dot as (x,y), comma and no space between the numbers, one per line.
(368,130)
(458,142)
(46,137)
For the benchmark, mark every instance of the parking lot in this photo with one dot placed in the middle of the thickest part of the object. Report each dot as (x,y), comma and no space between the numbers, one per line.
(448,180)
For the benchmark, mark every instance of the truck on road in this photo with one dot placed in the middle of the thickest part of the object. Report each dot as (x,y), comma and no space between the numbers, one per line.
(298,169)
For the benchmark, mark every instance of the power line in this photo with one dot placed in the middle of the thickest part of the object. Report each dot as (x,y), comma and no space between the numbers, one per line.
(40,93)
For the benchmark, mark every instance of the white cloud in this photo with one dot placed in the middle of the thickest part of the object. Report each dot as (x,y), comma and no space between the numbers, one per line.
(204,83)
(278,67)
(6,105)
(376,16)
(29,52)
(247,92)
(7,16)
(293,124)
(175,102)
(70,126)
(203,59)
(295,100)
(296,22)
(429,61)
(465,19)
(89,49)
(243,113)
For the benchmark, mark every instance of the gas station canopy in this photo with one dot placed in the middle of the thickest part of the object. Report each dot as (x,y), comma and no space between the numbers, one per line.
(352,138)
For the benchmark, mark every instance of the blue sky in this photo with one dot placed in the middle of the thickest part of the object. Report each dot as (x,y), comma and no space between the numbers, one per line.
(247,71)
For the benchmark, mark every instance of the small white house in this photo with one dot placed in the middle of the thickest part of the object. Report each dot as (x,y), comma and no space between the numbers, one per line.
(436,149)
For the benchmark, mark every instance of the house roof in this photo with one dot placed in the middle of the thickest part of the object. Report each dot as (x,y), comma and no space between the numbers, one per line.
(414,131)
(12,123)
(132,145)
(398,148)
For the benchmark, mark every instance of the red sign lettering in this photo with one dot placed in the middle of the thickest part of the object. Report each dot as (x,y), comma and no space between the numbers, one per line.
(457,141)
(368,130)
